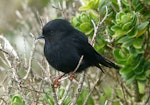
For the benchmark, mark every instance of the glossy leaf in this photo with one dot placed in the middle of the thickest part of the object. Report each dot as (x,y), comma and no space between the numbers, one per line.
(124,39)
(126,26)
(118,56)
(128,43)
(142,28)
(138,43)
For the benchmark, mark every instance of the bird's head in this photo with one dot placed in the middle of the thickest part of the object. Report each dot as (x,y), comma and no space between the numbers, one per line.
(55,28)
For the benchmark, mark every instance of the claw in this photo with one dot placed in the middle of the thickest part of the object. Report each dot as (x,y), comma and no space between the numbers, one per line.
(56,81)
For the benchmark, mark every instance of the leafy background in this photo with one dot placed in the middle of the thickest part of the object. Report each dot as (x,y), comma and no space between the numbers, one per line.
(118,29)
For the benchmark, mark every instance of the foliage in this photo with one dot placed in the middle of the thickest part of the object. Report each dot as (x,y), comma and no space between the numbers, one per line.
(125,27)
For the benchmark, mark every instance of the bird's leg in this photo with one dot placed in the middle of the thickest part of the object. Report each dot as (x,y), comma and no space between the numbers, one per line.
(72,75)
(56,81)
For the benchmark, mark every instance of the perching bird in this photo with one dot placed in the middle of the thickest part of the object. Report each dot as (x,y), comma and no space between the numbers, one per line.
(64,46)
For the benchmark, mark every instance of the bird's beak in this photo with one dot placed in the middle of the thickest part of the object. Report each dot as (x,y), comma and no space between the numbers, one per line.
(41,36)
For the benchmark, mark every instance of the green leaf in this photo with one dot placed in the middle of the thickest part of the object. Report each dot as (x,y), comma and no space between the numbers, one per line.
(118,16)
(115,28)
(61,92)
(86,26)
(133,33)
(118,56)
(128,43)
(130,80)
(138,60)
(126,18)
(119,33)
(126,70)
(126,26)
(49,99)
(134,20)
(75,21)
(91,4)
(17,100)
(124,39)
(127,73)
(84,17)
(138,43)
(142,28)
(94,15)
(141,77)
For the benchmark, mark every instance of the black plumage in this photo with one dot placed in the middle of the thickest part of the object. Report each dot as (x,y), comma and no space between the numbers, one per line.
(64,45)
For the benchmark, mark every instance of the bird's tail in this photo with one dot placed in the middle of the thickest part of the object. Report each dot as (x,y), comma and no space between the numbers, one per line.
(107,62)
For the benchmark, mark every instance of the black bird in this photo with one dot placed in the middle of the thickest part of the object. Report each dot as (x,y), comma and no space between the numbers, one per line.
(64,46)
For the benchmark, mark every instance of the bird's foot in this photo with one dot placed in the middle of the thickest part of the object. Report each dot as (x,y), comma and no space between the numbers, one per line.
(72,76)
(56,81)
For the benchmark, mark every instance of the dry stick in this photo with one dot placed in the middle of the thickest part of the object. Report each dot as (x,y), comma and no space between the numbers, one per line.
(4,51)
(98,25)
(54,95)
(85,102)
(11,52)
(74,101)
(30,60)
(47,72)
(79,63)
(9,48)
(60,8)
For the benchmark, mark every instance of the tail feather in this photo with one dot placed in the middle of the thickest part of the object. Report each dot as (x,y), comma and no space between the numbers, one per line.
(107,62)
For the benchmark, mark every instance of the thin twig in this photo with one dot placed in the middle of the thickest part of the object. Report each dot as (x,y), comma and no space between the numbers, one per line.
(54,94)
(98,25)
(79,63)
(30,59)
(78,91)
(85,102)
(4,51)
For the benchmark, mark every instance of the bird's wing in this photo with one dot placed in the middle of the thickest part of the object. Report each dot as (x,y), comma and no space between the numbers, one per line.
(90,55)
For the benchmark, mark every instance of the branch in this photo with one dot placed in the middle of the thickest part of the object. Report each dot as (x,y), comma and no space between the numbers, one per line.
(54,94)
(78,91)
(8,48)
(85,102)
(30,59)
(98,25)
(79,63)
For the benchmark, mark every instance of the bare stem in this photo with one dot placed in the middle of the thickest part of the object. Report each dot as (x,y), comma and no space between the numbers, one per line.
(97,26)
(30,60)
(78,91)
